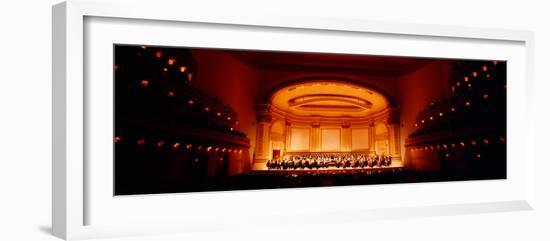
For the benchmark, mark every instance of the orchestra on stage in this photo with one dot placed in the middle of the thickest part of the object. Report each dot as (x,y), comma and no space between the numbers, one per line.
(330,160)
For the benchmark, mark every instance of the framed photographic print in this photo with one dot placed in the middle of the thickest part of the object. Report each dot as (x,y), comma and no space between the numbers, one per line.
(168,123)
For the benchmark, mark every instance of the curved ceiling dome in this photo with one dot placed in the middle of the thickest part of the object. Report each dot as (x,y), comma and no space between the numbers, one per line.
(329,99)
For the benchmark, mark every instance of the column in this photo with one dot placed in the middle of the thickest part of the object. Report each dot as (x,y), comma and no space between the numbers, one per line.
(287,136)
(315,138)
(372,139)
(393,122)
(345,135)
(263,120)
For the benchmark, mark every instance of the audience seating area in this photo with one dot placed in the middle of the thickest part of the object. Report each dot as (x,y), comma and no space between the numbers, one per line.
(470,124)
(165,126)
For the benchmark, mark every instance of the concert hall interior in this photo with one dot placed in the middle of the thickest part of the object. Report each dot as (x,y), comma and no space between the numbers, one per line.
(203,119)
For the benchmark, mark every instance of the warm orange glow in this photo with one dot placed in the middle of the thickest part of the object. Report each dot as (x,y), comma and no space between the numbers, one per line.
(231,128)
(462,144)
(218,114)
(228,118)
(189,76)
(495,62)
(143,47)
(176,145)
(158,54)
(453,145)
(330,99)
(165,69)
(440,113)
(415,124)
(484,68)
(183,68)
(466,79)
(208,149)
(223,150)
(422,121)
(453,109)
(144,83)
(171,61)
(478,156)
(431,117)
(444,146)
(206,109)
(474,74)
(188,146)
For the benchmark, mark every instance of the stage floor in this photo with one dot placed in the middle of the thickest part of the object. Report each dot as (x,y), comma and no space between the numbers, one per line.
(328,170)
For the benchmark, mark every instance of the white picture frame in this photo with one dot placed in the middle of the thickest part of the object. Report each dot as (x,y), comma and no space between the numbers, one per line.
(72,192)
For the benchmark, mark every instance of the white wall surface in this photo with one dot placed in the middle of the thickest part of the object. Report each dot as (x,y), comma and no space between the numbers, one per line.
(25,122)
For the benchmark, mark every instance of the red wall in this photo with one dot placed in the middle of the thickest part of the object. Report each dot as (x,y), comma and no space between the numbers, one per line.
(416,91)
(224,77)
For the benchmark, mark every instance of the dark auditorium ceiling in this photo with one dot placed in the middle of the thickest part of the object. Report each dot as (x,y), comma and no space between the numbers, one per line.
(296,61)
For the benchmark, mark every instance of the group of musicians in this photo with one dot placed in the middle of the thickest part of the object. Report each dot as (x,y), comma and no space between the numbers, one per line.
(334,160)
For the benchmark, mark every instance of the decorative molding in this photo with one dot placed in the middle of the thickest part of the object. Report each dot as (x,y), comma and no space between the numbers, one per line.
(263,112)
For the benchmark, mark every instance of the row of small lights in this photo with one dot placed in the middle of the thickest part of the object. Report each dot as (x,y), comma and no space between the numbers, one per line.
(178,145)
(191,102)
(467,103)
(474,74)
(453,109)
(171,61)
(451,145)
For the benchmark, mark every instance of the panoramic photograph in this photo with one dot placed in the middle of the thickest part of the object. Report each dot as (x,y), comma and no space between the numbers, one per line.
(190,119)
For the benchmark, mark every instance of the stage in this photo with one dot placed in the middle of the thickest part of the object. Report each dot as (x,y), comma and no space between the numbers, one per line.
(332,171)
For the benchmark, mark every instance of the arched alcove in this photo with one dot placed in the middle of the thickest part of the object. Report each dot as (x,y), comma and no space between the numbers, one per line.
(381,138)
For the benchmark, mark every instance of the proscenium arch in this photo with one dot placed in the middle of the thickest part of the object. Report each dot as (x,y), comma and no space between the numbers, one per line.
(268,97)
